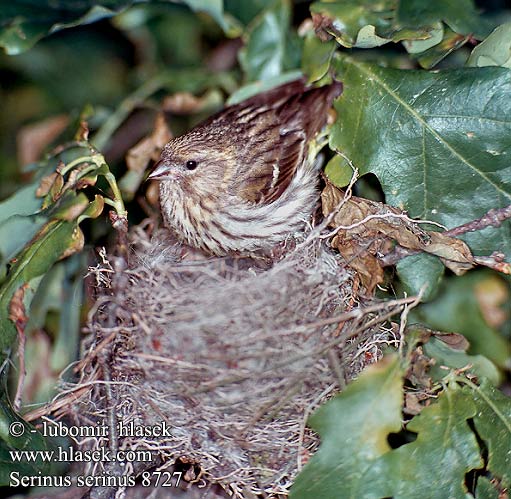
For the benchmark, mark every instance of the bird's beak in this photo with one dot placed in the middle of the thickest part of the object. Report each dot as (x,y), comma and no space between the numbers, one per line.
(160,171)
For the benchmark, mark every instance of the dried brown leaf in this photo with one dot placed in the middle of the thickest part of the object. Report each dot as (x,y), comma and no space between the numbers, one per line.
(323,26)
(455,340)
(76,244)
(82,134)
(34,138)
(413,403)
(149,148)
(184,103)
(361,259)
(51,184)
(17,313)
(491,293)
(371,223)
(418,372)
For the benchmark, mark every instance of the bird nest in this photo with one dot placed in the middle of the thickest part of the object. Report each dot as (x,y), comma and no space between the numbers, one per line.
(230,354)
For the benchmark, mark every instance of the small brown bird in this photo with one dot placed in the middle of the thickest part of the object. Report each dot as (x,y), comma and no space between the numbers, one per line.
(244,179)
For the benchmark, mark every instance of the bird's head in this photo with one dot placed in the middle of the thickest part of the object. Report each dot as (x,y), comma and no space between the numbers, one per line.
(191,163)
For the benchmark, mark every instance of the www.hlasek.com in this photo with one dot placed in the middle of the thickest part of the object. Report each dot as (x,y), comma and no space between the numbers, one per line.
(102,454)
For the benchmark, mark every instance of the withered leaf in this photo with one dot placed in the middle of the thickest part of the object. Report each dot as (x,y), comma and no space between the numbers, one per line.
(51,184)
(323,26)
(76,243)
(34,138)
(184,103)
(17,313)
(383,223)
(149,148)
(455,340)
(139,156)
(492,294)
(414,402)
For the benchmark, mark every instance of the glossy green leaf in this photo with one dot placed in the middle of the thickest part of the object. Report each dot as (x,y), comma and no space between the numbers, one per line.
(353,427)
(435,464)
(494,50)
(456,309)
(371,23)
(215,8)
(493,424)
(246,11)
(437,141)
(268,49)
(19,222)
(34,261)
(485,489)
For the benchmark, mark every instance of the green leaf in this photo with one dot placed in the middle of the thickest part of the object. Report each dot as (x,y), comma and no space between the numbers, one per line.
(371,23)
(437,141)
(451,41)
(317,56)
(421,272)
(246,11)
(460,15)
(494,50)
(444,355)
(34,261)
(457,309)
(59,235)
(435,464)
(29,439)
(353,427)
(485,489)
(23,25)
(355,23)
(18,223)
(268,50)
(339,171)
(215,8)
(493,424)
(418,46)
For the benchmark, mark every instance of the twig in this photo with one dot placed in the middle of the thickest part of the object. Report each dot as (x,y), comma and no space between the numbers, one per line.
(384,216)
(493,218)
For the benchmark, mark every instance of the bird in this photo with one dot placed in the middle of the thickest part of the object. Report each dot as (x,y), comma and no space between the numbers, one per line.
(245,179)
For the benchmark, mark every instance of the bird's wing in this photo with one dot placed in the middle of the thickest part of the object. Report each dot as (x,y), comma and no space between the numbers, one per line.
(272,133)
(270,152)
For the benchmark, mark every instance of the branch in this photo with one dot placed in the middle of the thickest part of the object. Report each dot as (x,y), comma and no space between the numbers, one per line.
(493,218)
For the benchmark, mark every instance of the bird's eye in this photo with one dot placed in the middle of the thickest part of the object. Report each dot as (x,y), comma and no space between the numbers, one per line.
(191,165)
